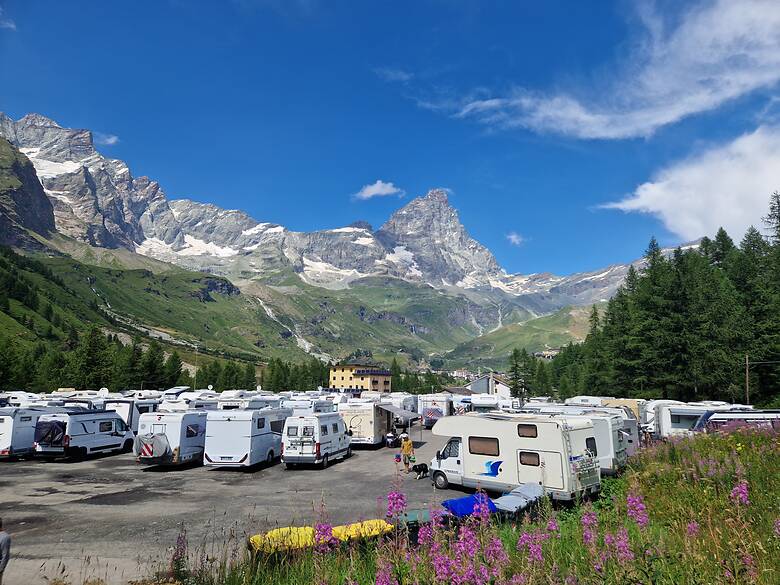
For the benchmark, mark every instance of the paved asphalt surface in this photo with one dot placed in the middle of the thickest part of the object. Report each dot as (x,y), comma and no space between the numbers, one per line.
(108,517)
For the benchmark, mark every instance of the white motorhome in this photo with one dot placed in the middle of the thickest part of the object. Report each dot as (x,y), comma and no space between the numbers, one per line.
(17,431)
(672,420)
(588,400)
(171,438)
(242,438)
(248,402)
(432,407)
(611,441)
(725,420)
(22,399)
(188,401)
(304,406)
(501,451)
(402,400)
(131,409)
(172,393)
(369,421)
(648,422)
(315,438)
(73,432)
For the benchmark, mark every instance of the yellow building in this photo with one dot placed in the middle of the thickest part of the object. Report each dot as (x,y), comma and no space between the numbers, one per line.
(360,377)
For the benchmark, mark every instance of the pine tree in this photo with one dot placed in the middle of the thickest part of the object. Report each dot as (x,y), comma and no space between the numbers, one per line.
(395,375)
(172,370)
(249,378)
(516,374)
(152,366)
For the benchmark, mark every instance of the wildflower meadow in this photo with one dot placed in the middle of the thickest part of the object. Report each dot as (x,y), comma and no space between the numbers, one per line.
(700,510)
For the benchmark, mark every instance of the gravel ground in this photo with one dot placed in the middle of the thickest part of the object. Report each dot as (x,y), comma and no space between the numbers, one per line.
(107,517)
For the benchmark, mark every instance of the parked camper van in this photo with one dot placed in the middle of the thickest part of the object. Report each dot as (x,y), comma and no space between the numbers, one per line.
(242,438)
(672,420)
(304,406)
(727,420)
(75,432)
(588,400)
(432,407)
(17,431)
(500,451)
(131,409)
(369,421)
(248,402)
(315,438)
(611,441)
(171,438)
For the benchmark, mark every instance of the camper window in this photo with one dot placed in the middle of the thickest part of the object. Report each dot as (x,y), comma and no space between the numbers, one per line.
(323,429)
(526,430)
(590,445)
(22,419)
(121,425)
(106,426)
(675,419)
(260,423)
(483,446)
(335,427)
(308,431)
(277,426)
(192,431)
(451,450)
(144,409)
(528,458)
(292,431)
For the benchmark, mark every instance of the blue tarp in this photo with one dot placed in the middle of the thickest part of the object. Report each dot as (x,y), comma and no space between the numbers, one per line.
(460,507)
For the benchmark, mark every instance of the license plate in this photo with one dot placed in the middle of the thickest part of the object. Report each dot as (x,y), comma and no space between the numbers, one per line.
(226,458)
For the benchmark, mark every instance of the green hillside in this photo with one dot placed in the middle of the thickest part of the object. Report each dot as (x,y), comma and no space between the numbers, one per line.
(492,350)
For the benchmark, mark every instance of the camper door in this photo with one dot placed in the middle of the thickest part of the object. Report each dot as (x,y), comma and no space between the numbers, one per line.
(542,467)
(451,460)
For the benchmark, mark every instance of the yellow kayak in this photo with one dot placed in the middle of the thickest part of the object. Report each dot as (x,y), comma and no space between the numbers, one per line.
(297,537)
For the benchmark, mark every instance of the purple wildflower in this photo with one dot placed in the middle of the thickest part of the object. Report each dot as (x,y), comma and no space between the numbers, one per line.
(384,576)
(750,566)
(589,524)
(468,544)
(739,493)
(481,510)
(396,504)
(777,528)
(623,547)
(637,510)
(552,525)
(324,541)
(692,529)
(425,534)
(495,552)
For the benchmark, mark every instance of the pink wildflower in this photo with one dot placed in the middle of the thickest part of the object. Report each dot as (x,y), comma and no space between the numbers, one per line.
(468,543)
(623,547)
(425,534)
(637,510)
(692,529)
(396,504)
(552,525)
(589,522)
(324,541)
(750,566)
(739,493)
(495,552)
(777,528)
(384,576)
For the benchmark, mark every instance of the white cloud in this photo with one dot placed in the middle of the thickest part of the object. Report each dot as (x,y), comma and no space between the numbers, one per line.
(6,23)
(378,189)
(716,51)
(106,139)
(726,186)
(515,239)
(393,75)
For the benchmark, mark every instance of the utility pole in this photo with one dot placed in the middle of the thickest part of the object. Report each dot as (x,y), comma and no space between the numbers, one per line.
(747,379)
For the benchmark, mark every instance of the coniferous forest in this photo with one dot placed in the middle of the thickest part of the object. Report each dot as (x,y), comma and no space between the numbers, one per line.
(684,326)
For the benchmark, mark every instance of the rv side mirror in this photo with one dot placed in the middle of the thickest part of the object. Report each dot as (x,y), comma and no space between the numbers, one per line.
(438,455)
(349,433)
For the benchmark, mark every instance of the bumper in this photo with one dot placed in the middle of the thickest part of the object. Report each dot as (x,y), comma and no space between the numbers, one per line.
(300,459)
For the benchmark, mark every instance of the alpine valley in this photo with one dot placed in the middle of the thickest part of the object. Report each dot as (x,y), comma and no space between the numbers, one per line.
(196,275)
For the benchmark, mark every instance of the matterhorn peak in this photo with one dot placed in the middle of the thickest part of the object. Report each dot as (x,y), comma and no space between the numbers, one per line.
(34,119)
(438,195)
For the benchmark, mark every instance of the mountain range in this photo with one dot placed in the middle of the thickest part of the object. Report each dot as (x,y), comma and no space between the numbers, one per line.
(419,271)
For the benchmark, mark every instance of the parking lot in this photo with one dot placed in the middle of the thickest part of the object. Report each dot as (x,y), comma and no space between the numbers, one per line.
(110,518)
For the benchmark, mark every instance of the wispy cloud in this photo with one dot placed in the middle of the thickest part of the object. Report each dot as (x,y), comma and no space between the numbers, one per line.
(106,139)
(393,75)
(515,239)
(713,52)
(5,22)
(726,186)
(378,189)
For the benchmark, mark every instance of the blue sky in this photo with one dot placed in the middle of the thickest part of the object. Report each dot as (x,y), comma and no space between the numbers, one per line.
(534,114)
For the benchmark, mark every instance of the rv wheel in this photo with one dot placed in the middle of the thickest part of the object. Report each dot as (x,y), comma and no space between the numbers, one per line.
(127,447)
(349,453)
(270,458)
(440,481)
(289,465)
(325,462)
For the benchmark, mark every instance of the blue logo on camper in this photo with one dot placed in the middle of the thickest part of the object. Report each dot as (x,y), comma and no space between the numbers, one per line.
(492,468)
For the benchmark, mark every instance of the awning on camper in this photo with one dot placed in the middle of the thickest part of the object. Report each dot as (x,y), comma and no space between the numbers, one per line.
(399,412)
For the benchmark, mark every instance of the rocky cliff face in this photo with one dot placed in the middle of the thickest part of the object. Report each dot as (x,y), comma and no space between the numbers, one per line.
(24,207)
(98,201)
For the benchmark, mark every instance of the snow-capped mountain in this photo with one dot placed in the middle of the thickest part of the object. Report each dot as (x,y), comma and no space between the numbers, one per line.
(98,201)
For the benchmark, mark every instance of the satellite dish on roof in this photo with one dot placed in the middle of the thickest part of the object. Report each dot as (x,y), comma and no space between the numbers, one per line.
(210,387)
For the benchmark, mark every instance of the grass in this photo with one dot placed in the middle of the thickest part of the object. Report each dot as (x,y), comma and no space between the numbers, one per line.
(492,349)
(698,511)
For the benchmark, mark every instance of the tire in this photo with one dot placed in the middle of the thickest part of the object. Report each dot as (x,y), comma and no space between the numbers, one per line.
(349,453)
(440,481)
(289,465)
(127,447)
(325,462)
(270,459)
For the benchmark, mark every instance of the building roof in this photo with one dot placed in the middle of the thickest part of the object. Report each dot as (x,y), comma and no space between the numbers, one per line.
(459,390)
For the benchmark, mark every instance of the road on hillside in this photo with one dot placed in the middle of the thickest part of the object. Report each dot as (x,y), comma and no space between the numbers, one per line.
(110,518)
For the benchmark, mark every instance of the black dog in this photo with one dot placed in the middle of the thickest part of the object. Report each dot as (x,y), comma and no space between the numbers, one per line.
(421,469)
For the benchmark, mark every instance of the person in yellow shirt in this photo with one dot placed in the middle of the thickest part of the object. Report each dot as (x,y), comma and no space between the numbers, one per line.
(407,450)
